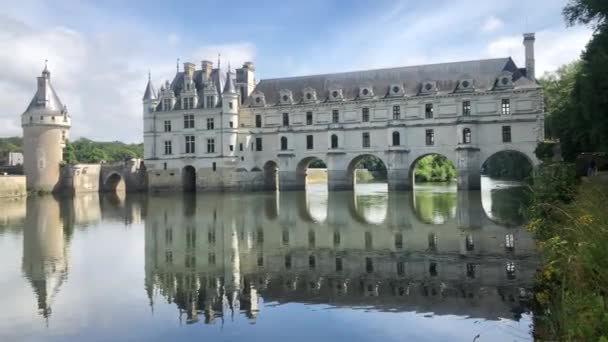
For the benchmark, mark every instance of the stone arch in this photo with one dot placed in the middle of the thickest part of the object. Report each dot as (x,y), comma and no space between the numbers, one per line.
(372,212)
(114,182)
(516,167)
(302,169)
(412,170)
(271,175)
(189,178)
(355,163)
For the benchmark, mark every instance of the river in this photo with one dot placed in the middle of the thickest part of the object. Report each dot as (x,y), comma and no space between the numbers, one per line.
(434,264)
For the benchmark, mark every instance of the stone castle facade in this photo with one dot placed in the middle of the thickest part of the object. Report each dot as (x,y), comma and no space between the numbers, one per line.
(215,129)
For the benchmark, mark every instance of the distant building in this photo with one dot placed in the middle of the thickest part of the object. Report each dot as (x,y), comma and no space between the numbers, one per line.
(14,159)
(215,129)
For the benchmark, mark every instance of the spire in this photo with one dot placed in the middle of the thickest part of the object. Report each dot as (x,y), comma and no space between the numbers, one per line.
(150,93)
(45,97)
(229,86)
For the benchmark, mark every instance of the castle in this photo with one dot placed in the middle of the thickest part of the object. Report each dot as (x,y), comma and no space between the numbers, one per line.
(215,129)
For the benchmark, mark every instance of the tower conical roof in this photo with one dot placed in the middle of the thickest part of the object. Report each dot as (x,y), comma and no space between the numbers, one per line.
(229,85)
(45,98)
(150,93)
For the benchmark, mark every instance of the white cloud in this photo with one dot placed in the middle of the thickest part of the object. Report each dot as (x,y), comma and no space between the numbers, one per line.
(491,24)
(553,48)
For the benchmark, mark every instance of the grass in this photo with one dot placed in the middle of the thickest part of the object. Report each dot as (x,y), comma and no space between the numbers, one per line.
(572,288)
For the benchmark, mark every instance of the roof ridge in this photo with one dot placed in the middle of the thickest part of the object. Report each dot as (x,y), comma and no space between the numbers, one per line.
(386,69)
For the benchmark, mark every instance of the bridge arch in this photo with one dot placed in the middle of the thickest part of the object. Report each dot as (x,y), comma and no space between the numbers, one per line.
(114,182)
(445,173)
(378,164)
(302,171)
(189,178)
(508,164)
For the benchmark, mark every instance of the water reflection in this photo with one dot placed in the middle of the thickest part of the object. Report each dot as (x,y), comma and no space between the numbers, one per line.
(336,248)
(210,256)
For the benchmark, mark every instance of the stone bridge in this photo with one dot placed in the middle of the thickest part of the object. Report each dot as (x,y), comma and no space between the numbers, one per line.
(127,176)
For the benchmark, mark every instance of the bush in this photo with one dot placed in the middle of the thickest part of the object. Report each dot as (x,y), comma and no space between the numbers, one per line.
(544,150)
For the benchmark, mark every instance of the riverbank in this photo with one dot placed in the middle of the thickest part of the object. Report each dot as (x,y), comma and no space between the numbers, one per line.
(570,222)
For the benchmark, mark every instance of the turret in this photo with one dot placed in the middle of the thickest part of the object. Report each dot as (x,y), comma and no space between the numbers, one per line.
(230,114)
(46,124)
(150,102)
(529,39)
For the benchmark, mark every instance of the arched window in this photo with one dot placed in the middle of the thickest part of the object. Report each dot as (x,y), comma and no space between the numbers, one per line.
(466,136)
(334,141)
(283,143)
(396,139)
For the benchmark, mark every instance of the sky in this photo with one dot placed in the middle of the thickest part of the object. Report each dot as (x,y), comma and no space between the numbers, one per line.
(100,52)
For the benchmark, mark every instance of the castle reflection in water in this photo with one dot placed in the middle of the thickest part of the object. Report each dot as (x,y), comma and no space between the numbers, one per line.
(214,255)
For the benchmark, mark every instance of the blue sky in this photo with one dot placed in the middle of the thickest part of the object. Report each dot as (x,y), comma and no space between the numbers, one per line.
(100,51)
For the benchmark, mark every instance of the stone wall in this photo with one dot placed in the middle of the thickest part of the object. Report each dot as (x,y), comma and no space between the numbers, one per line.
(80,178)
(12,186)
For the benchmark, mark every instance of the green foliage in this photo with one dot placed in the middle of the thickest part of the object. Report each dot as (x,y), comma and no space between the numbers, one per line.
(434,168)
(11,144)
(571,301)
(586,12)
(544,150)
(317,164)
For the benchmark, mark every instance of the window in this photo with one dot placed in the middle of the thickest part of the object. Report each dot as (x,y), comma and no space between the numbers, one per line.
(470,270)
(260,237)
(286,237)
(335,116)
(312,262)
(433,269)
(428,111)
(430,137)
(167,125)
(190,238)
(283,143)
(260,259)
(469,244)
(509,242)
(466,136)
(285,119)
(167,105)
(241,147)
(211,237)
(211,258)
(505,107)
(398,241)
(309,142)
(231,124)
(288,261)
(369,265)
(214,166)
(211,145)
(189,121)
(396,139)
(188,102)
(365,139)
(190,261)
(334,141)
(368,240)
(168,236)
(432,241)
(506,134)
(231,147)
(311,239)
(169,257)
(168,147)
(210,101)
(339,265)
(466,108)
(309,118)
(400,268)
(190,144)
(337,239)
(258,144)
(164,166)
(258,121)
(510,268)
(230,105)
(396,112)
(365,114)
(210,123)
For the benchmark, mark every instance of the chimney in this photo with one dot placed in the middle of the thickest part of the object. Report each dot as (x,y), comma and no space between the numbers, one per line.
(207,67)
(529,46)
(189,69)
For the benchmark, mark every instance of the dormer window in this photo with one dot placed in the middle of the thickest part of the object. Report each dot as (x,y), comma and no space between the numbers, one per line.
(465,85)
(258,99)
(285,96)
(335,94)
(309,95)
(395,90)
(428,88)
(504,81)
(366,92)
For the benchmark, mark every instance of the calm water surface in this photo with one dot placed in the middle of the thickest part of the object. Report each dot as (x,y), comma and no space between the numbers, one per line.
(429,265)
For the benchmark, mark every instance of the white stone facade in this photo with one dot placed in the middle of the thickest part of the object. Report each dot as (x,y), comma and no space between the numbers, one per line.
(492,100)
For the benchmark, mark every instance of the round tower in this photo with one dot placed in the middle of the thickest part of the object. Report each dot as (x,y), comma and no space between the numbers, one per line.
(46,124)
(230,115)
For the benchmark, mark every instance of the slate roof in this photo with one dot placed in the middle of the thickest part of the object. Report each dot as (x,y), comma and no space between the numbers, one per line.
(150,93)
(446,75)
(45,98)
